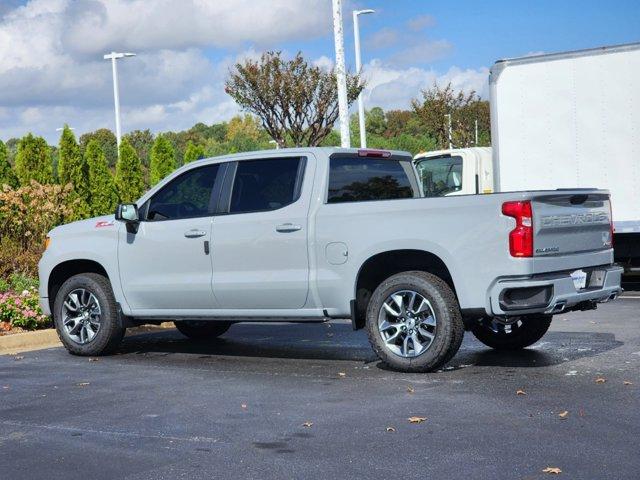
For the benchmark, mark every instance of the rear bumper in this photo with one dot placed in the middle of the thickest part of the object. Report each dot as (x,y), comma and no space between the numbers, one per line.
(553,292)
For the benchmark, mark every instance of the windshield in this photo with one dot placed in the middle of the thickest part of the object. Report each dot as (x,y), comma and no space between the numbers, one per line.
(440,176)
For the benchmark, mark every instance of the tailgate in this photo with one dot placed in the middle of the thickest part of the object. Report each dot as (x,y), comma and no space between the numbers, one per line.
(571,222)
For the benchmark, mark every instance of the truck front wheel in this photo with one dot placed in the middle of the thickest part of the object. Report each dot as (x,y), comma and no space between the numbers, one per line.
(414,322)
(86,317)
(520,333)
(202,330)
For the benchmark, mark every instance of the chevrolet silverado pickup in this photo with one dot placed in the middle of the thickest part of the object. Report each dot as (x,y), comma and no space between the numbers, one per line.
(312,234)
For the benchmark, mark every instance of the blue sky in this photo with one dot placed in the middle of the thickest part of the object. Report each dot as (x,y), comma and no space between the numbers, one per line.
(484,31)
(51,70)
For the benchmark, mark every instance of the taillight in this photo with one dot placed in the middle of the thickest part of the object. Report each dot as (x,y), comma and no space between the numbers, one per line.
(611,227)
(521,237)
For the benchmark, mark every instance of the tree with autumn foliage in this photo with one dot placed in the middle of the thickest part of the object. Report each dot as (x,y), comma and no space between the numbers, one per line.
(464,107)
(296,101)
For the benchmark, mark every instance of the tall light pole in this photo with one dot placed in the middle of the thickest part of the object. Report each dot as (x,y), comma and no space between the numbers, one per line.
(113,56)
(356,36)
(341,75)
(448,116)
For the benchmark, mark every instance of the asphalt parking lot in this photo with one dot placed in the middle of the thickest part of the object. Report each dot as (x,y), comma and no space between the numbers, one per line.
(166,407)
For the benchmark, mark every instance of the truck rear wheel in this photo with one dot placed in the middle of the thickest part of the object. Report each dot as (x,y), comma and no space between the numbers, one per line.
(86,317)
(202,330)
(414,322)
(523,332)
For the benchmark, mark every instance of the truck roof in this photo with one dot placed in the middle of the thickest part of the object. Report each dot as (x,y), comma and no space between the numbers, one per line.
(299,150)
(500,65)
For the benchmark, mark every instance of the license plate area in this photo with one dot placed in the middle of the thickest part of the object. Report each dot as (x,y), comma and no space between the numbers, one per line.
(579,278)
(592,279)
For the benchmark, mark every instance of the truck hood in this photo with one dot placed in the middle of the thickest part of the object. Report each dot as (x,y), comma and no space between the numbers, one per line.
(88,225)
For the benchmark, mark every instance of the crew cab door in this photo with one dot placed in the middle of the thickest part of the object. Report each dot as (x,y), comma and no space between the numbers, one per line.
(165,266)
(259,241)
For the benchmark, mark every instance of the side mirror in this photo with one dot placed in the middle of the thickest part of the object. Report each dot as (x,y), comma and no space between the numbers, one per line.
(127,212)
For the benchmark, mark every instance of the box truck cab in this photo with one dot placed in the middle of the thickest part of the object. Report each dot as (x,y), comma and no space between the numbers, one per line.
(461,171)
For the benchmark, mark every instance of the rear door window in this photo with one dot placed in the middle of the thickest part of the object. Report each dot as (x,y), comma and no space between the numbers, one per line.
(263,185)
(355,179)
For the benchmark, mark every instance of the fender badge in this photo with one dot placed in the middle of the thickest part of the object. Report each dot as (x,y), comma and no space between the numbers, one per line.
(104,224)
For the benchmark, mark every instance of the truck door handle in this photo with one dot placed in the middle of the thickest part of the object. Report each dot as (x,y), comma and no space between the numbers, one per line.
(288,227)
(194,233)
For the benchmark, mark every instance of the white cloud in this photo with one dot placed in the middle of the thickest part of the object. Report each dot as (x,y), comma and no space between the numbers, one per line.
(424,51)
(52,71)
(324,62)
(394,88)
(383,38)
(421,22)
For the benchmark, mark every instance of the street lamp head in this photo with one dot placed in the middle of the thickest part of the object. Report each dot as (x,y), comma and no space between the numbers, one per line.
(364,12)
(114,55)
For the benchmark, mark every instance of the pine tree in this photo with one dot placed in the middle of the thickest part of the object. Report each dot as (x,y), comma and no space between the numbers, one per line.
(7,177)
(33,160)
(193,152)
(102,188)
(73,169)
(163,160)
(129,179)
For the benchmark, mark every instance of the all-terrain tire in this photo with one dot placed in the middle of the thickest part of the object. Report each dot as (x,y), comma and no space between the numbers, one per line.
(110,332)
(202,330)
(449,328)
(525,332)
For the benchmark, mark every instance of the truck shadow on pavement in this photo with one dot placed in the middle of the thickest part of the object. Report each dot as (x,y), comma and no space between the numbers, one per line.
(339,342)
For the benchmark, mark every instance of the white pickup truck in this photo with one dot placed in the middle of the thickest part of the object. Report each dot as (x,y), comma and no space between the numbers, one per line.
(313,234)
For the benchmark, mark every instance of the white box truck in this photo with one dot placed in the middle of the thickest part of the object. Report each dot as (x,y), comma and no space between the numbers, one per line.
(563,120)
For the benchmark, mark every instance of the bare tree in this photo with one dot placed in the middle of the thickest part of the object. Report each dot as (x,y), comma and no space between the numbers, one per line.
(296,102)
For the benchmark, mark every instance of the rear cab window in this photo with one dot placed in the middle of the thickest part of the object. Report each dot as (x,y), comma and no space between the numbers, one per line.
(361,179)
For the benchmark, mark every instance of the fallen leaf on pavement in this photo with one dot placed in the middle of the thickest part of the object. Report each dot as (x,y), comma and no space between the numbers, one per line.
(82,384)
(307,424)
(601,380)
(552,470)
(627,382)
(410,389)
(564,414)
(520,392)
(391,429)
(416,419)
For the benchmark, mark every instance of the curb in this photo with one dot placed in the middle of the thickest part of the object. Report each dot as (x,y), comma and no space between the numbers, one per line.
(28,341)
(41,339)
